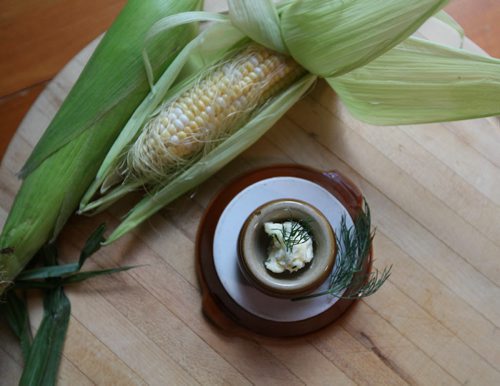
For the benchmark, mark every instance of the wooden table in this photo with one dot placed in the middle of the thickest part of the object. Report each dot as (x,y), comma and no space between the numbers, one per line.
(434,191)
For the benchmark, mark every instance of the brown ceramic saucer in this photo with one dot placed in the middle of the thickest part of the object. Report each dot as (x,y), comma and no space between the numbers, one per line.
(218,304)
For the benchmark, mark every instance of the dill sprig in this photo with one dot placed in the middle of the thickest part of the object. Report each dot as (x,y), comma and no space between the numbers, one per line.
(354,243)
(299,233)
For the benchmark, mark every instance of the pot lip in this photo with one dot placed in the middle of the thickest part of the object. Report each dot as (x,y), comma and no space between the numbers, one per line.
(288,291)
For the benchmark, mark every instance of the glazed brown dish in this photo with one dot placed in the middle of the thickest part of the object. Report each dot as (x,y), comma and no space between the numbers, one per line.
(218,305)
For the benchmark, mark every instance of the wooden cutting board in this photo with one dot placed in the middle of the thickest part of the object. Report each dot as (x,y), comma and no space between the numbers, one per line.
(434,192)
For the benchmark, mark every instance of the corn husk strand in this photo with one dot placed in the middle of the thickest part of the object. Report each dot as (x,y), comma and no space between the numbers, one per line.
(74,145)
(208,112)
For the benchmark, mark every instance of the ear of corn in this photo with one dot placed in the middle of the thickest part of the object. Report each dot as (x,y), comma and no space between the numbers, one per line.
(229,149)
(68,155)
(196,120)
(208,112)
(420,81)
(202,52)
(330,38)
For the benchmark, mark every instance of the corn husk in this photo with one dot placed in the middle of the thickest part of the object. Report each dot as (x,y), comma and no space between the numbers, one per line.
(330,38)
(419,82)
(68,155)
(259,20)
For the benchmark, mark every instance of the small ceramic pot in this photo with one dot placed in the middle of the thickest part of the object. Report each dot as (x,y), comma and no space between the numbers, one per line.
(253,246)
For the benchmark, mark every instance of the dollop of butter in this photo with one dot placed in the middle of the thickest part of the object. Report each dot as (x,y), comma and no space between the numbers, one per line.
(291,247)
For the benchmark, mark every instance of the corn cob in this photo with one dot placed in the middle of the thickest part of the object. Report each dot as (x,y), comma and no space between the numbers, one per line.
(209,111)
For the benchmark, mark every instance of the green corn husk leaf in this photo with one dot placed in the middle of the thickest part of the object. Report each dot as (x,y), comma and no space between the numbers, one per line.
(48,272)
(198,55)
(259,20)
(53,275)
(92,245)
(120,47)
(42,364)
(66,279)
(330,38)
(16,312)
(69,154)
(82,276)
(216,159)
(223,37)
(174,21)
(419,82)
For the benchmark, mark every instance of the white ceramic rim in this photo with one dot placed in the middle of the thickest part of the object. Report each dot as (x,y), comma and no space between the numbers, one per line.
(225,246)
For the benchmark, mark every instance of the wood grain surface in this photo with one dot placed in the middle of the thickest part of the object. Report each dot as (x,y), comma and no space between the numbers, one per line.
(434,191)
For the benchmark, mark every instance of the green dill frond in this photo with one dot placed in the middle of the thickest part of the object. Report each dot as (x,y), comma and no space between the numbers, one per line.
(354,246)
(299,233)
